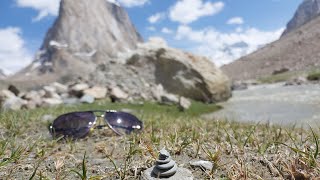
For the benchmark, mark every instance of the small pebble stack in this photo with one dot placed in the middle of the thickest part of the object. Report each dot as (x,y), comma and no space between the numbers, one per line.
(165,166)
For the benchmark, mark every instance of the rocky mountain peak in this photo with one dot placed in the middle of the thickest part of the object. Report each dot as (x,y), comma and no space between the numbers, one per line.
(85,30)
(307,11)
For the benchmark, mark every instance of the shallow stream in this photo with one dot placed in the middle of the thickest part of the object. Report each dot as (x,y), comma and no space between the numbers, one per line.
(274,103)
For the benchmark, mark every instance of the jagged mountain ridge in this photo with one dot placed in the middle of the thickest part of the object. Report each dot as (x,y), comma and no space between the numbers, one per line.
(306,11)
(297,50)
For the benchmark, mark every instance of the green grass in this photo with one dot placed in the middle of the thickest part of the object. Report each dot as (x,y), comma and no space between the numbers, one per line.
(314,76)
(278,77)
(311,74)
(237,150)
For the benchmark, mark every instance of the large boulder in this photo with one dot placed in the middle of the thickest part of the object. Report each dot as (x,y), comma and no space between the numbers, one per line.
(13,103)
(181,73)
(97,92)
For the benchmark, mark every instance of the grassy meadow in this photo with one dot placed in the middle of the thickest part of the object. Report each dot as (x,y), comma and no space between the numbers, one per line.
(237,150)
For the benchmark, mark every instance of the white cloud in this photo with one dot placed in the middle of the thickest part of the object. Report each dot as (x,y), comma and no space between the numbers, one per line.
(187,11)
(132,3)
(223,48)
(45,7)
(156,18)
(235,20)
(13,53)
(114,2)
(239,29)
(151,28)
(51,7)
(166,30)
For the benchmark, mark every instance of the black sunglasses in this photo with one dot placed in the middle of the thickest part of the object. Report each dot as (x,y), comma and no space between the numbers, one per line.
(79,124)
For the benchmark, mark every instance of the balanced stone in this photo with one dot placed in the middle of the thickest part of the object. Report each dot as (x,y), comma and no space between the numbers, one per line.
(166,168)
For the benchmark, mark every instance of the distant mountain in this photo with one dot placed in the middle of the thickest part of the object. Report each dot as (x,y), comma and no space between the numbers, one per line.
(85,34)
(2,75)
(297,50)
(308,10)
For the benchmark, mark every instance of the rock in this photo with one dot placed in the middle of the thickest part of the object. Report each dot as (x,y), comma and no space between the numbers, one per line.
(31,105)
(239,85)
(80,87)
(50,92)
(97,92)
(166,168)
(296,81)
(7,94)
(13,103)
(77,90)
(116,94)
(87,99)
(157,92)
(33,97)
(144,96)
(202,164)
(169,99)
(182,73)
(47,117)
(50,89)
(51,102)
(181,174)
(42,92)
(71,101)
(60,88)
(65,95)
(184,103)
(14,90)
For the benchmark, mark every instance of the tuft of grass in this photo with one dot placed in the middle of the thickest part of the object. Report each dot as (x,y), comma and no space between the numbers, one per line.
(83,174)
(278,77)
(314,76)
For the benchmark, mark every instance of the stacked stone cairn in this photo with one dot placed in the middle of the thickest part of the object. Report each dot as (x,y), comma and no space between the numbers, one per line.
(165,166)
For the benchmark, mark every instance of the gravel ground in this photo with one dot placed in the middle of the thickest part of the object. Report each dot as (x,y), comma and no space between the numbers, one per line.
(274,103)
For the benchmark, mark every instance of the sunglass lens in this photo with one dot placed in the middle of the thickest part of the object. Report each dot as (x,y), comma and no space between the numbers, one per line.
(74,125)
(122,122)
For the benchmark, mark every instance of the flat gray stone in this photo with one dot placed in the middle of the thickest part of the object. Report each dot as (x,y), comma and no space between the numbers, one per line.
(14,103)
(97,92)
(80,87)
(184,103)
(87,99)
(205,164)
(51,102)
(71,101)
(181,174)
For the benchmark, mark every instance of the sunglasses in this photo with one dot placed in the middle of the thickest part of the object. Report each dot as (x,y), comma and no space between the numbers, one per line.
(79,124)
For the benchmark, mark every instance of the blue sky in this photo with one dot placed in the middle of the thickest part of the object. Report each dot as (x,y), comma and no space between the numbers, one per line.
(222,30)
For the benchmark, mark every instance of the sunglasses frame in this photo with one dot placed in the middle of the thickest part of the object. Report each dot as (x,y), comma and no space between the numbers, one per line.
(94,125)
